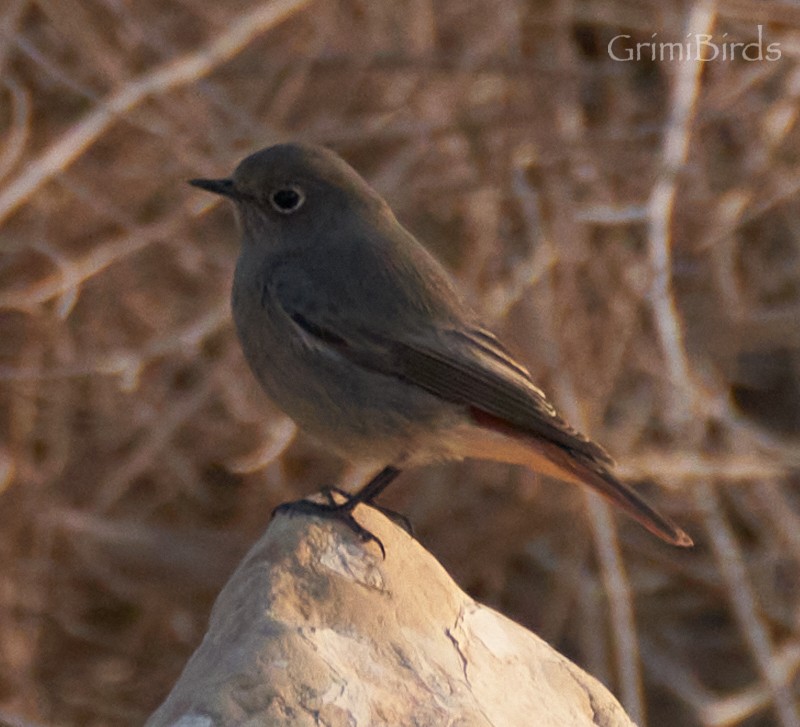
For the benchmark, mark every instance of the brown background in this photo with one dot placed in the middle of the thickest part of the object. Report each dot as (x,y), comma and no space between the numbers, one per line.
(630,229)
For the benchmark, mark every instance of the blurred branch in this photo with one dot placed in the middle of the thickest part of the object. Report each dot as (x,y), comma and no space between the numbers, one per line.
(128,364)
(744,603)
(529,271)
(712,710)
(162,429)
(178,72)
(671,469)
(120,551)
(660,211)
(619,592)
(782,515)
(72,274)
(735,708)
(17,138)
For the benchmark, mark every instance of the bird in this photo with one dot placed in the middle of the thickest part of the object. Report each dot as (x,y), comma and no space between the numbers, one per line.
(356,331)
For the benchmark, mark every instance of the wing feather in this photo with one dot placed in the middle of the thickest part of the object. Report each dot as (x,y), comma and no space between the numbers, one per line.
(466,366)
(480,374)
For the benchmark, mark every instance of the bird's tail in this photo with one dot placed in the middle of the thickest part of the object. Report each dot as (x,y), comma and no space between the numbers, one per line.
(578,468)
(557,461)
(628,500)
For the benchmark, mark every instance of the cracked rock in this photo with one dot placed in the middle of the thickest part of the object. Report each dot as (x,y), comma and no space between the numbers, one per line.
(315,628)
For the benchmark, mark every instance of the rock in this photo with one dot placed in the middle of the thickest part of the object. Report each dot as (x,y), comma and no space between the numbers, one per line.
(315,628)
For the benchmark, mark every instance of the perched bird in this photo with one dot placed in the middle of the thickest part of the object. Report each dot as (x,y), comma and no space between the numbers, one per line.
(358,334)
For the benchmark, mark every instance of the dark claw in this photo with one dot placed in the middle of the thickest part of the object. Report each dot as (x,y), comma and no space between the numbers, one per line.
(332,510)
(396,517)
(365,535)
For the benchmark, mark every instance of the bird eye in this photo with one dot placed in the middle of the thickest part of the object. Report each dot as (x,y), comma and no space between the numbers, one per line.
(287,199)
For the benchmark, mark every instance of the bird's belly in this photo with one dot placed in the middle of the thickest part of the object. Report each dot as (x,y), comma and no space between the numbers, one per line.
(357,413)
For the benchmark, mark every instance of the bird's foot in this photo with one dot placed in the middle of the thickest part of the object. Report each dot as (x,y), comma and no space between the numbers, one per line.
(338,511)
(396,517)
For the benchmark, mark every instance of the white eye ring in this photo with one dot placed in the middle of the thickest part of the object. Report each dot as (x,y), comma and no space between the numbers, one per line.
(286,200)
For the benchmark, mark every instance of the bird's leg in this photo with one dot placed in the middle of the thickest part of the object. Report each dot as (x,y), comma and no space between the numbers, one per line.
(344,511)
(375,487)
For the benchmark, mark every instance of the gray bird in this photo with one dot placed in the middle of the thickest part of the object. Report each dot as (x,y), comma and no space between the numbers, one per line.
(358,334)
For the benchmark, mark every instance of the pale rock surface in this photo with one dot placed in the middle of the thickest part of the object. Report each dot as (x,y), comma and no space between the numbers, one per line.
(315,628)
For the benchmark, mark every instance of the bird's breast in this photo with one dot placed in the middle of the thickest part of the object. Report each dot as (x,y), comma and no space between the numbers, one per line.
(351,409)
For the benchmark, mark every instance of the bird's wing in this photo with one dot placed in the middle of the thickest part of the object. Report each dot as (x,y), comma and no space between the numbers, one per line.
(469,366)
(465,365)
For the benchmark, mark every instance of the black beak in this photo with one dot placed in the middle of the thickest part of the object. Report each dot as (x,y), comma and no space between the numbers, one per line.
(224,187)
